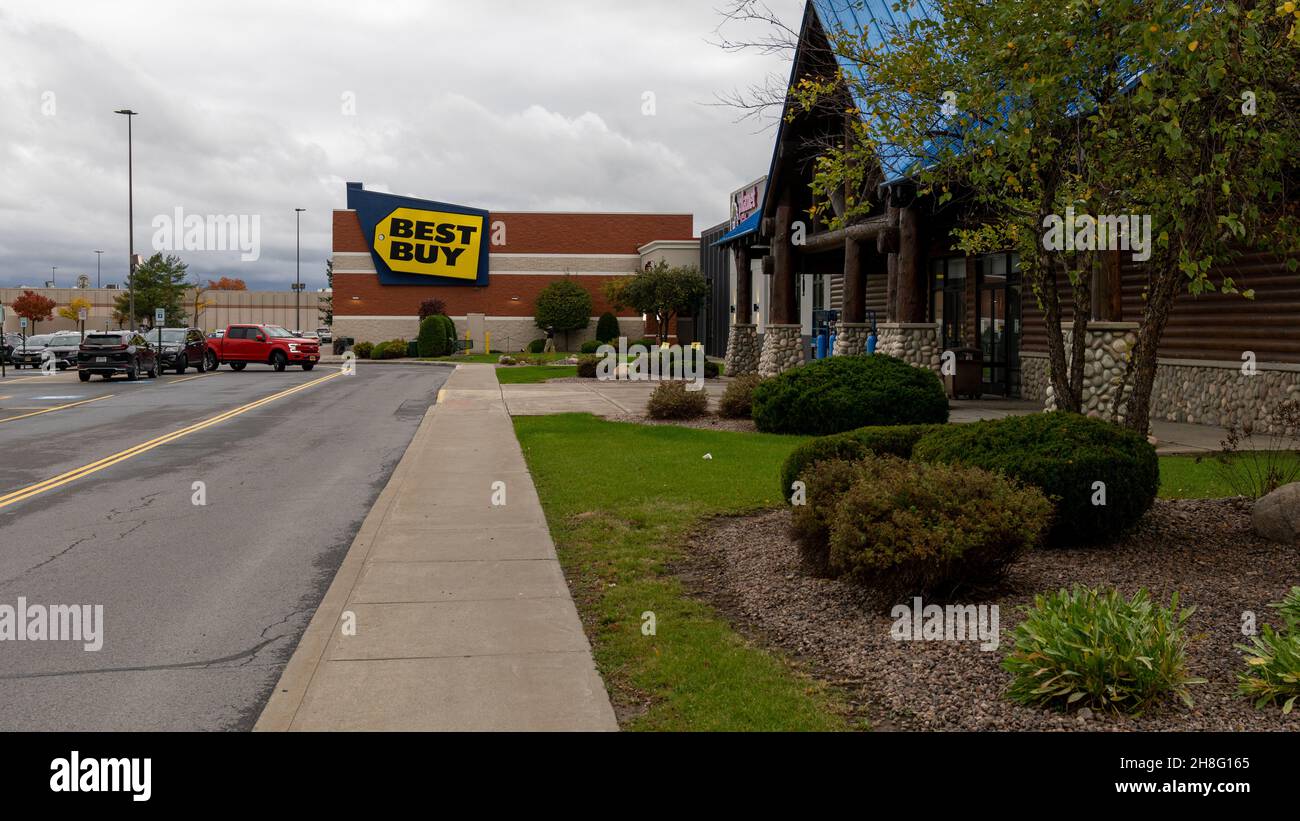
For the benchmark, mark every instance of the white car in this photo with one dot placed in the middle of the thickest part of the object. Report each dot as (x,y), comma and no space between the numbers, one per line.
(324,334)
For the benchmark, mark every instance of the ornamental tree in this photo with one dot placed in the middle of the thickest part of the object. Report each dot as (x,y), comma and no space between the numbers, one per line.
(663,291)
(564,305)
(35,307)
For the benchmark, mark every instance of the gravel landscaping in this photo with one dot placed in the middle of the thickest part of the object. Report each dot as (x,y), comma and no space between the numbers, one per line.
(749,568)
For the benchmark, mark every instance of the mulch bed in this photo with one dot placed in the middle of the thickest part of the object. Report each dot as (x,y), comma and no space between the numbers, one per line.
(750,569)
(703,423)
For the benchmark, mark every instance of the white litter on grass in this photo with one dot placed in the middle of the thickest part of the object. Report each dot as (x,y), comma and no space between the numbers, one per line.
(708,457)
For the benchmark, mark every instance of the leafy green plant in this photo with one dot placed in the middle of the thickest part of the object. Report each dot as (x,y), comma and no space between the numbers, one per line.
(590,346)
(1273,659)
(564,305)
(363,349)
(1066,455)
(587,366)
(1091,648)
(906,528)
(893,440)
(1256,464)
(377,351)
(810,522)
(672,400)
(738,399)
(433,337)
(847,392)
(537,346)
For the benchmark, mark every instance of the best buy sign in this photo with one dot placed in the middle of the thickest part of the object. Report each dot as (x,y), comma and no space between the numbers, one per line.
(419,242)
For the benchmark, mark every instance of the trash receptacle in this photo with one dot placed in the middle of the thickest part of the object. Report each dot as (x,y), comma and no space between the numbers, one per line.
(968,380)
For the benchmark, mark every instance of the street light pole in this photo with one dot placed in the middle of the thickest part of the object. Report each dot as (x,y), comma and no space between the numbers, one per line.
(53,283)
(297,276)
(99,257)
(130,210)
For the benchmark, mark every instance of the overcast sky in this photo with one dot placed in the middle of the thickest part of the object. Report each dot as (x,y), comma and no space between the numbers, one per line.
(244,110)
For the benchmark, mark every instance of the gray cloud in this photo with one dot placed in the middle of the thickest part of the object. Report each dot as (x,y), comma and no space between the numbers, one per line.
(500,105)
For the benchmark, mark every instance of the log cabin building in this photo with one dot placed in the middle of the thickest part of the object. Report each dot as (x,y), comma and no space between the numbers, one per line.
(897,273)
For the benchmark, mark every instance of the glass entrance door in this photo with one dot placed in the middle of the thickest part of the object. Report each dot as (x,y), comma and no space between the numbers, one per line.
(998,321)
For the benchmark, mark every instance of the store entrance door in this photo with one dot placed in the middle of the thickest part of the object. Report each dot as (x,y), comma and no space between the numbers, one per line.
(998,321)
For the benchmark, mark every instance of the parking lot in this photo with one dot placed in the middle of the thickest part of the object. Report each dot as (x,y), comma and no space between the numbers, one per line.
(206,513)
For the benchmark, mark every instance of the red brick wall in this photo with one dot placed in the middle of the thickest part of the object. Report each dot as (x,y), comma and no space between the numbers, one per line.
(552,233)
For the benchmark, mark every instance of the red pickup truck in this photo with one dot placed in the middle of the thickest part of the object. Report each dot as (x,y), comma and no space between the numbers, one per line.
(261,344)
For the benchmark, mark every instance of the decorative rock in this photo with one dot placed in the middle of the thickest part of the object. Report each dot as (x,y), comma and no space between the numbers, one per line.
(1276,517)
(742,350)
(782,349)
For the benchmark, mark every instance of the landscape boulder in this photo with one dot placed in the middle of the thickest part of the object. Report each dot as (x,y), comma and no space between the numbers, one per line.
(1276,517)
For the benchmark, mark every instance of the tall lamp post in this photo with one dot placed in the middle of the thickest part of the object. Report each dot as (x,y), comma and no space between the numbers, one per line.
(297,276)
(53,283)
(99,257)
(130,210)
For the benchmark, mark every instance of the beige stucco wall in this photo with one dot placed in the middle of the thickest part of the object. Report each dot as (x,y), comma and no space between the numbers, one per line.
(508,333)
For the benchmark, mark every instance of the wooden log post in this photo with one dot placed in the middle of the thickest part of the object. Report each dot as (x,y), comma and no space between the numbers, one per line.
(782,311)
(911,293)
(744,286)
(855,284)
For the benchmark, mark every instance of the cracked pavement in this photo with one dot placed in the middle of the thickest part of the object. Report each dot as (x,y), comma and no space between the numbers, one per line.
(203,605)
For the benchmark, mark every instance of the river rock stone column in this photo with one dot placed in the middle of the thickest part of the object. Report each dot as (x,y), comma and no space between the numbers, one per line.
(742,350)
(782,349)
(851,338)
(916,343)
(1107,350)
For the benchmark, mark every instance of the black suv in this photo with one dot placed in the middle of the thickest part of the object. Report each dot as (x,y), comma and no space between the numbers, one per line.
(111,352)
(181,348)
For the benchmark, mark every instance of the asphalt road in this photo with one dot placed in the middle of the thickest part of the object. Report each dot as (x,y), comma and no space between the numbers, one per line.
(202,604)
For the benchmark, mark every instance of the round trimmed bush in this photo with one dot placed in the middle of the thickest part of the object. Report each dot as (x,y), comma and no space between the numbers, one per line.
(363,349)
(738,400)
(907,528)
(537,346)
(895,440)
(847,392)
(448,328)
(810,522)
(587,366)
(377,351)
(1065,455)
(671,400)
(590,346)
(607,329)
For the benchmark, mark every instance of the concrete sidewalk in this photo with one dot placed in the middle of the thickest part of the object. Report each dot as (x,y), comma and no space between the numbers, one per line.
(463,618)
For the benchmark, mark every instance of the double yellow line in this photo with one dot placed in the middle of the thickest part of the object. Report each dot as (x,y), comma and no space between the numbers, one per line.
(108,461)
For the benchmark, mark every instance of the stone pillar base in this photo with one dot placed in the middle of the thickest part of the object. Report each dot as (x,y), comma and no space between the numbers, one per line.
(851,338)
(742,350)
(1107,350)
(782,349)
(916,343)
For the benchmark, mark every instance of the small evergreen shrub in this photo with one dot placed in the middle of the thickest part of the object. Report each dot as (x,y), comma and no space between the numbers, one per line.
(1091,648)
(392,349)
(671,400)
(590,346)
(587,366)
(895,440)
(377,351)
(537,346)
(810,522)
(363,349)
(847,392)
(738,399)
(607,329)
(1065,455)
(910,529)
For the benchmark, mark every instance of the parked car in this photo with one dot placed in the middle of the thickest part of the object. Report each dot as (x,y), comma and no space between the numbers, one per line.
(112,352)
(30,352)
(63,348)
(324,334)
(7,344)
(264,344)
(181,348)
(217,334)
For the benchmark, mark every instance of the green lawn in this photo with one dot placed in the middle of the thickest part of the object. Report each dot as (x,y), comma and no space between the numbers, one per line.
(620,500)
(1181,477)
(491,358)
(531,374)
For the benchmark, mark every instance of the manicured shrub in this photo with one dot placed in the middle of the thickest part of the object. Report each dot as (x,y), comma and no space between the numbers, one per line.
(363,349)
(564,305)
(645,342)
(847,392)
(587,366)
(1065,455)
(448,329)
(607,329)
(1097,649)
(591,346)
(895,440)
(537,345)
(431,341)
(1272,674)
(392,349)
(738,399)
(810,522)
(671,400)
(712,370)
(906,528)
(377,351)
